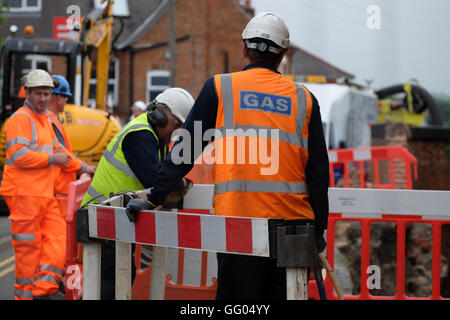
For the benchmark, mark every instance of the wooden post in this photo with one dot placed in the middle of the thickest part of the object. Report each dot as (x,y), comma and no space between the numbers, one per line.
(92,253)
(159,269)
(297,283)
(123,270)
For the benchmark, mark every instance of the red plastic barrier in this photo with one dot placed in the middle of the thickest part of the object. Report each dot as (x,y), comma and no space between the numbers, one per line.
(74,250)
(340,160)
(178,290)
(401,223)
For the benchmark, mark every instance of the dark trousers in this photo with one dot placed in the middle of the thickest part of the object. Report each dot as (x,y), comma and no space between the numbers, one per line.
(108,267)
(243,277)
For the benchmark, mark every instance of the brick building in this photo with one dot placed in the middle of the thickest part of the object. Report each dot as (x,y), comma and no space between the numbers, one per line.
(208,41)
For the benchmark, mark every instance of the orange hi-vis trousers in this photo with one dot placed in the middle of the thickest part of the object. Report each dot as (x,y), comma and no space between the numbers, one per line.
(39,240)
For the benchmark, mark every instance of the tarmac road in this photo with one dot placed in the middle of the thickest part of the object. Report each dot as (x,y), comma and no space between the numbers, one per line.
(7,277)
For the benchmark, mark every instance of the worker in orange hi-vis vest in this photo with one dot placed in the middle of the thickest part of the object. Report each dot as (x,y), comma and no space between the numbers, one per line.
(64,175)
(37,227)
(270,156)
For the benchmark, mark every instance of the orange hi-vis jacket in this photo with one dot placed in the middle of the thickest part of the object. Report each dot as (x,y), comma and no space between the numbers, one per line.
(64,175)
(30,144)
(262,153)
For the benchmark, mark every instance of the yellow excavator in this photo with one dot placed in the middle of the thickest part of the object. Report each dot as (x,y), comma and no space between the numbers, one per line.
(89,130)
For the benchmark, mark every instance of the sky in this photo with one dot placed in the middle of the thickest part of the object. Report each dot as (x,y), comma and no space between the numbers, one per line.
(385,42)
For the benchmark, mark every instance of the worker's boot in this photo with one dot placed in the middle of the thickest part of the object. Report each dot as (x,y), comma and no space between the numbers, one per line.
(58,295)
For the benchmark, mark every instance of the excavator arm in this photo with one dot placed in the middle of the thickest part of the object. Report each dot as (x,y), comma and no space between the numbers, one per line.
(96,38)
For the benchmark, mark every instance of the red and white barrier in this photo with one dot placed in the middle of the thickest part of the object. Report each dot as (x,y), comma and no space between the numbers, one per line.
(182,230)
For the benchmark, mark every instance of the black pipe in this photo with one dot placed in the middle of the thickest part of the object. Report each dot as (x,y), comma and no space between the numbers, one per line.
(418,93)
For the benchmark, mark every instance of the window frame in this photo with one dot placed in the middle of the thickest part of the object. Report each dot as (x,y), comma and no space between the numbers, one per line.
(150,86)
(24,7)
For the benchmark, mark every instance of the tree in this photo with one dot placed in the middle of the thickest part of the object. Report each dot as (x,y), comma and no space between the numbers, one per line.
(3,18)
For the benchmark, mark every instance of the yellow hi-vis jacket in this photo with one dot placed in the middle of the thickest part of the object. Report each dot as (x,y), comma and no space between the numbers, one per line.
(113,173)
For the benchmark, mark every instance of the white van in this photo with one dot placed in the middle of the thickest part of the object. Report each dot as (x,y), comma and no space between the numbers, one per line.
(347,114)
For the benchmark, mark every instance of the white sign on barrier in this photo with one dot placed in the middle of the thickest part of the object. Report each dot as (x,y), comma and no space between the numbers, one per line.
(363,203)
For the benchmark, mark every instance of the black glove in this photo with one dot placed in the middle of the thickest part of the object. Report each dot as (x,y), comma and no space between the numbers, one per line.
(175,196)
(320,241)
(136,205)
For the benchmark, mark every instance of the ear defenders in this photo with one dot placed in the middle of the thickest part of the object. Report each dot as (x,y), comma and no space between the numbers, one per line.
(156,115)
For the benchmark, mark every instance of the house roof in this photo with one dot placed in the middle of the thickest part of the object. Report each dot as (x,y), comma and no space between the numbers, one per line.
(42,21)
(305,63)
(144,15)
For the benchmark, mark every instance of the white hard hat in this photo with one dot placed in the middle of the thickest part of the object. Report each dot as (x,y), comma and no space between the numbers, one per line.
(178,100)
(38,78)
(139,105)
(270,26)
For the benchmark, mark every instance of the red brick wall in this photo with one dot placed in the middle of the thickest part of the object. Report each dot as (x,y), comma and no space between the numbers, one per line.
(214,26)
(433,157)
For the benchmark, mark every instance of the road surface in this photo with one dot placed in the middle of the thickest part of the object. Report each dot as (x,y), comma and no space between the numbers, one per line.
(6,261)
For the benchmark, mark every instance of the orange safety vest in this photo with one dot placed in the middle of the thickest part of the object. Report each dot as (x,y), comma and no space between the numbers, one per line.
(263,118)
(30,144)
(64,175)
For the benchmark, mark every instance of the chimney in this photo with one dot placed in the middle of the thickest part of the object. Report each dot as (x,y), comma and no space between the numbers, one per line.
(248,7)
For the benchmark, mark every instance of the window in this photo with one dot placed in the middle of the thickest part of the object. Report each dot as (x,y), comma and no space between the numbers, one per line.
(157,82)
(22,5)
(36,61)
(23,65)
(113,84)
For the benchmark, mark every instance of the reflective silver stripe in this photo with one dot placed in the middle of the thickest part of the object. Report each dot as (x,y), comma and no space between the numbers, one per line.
(24,281)
(19,153)
(47,278)
(23,236)
(18,140)
(119,139)
(23,293)
(95,195)
(60,149)
(301,108)
(261,186)
(227,96)
(118,165)
(55,142)
(109,154)
(43,149)
(34,137)
(24,150)
(47,267)
(51,160)
(32,145)
(61,196)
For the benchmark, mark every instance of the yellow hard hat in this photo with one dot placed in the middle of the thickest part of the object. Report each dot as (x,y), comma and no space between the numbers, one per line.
(38,78)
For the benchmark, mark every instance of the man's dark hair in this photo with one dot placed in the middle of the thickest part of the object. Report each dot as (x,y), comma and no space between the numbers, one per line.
(264,57)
